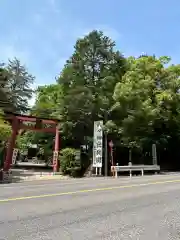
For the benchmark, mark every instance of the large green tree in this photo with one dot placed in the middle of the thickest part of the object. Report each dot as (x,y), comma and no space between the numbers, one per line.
(5,94)
(139,97)
(18,85)
(88,81)
(5,129)
(48,101)
(3,76)
(147,103)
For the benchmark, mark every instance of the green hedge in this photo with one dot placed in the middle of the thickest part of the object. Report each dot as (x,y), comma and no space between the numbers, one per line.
(68,163)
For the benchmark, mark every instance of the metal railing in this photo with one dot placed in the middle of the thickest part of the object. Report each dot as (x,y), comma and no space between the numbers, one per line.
(131,168)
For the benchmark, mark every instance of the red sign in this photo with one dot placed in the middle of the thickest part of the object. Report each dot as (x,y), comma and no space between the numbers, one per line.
(111,144)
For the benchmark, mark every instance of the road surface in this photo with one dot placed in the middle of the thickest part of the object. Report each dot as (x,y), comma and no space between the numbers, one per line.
(142,208)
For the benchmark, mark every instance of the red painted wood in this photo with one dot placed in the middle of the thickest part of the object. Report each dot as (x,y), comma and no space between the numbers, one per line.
(32,128)
(56,149)
(17,124)
(11,145)
(33,119)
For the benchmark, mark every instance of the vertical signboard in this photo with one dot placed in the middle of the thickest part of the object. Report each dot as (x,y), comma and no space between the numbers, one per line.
(14,155)
(98,144)
(154,154)
(55,160)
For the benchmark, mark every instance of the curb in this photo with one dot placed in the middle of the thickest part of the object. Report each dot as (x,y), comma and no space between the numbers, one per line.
(40,179)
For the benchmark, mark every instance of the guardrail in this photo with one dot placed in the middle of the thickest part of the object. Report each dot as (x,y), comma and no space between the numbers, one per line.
(131,168)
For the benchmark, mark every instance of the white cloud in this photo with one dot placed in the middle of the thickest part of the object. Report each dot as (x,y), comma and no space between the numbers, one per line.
(48,39)
(107,30)
(52,3)
(60,63)
(111,32)
(67,39)
(10,51)
(31,102)
(53,6)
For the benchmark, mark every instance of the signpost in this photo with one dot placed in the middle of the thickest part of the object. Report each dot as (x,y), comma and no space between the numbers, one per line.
(98,146)
(111,145)
(154,154)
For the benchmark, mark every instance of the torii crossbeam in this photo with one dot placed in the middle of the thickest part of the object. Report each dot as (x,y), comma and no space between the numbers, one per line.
(36,124)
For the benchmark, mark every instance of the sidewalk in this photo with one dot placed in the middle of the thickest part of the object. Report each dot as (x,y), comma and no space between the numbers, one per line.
(38,178)
(19,175)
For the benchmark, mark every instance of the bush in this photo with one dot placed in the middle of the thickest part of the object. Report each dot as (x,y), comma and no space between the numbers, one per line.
(5,129)
(68,163)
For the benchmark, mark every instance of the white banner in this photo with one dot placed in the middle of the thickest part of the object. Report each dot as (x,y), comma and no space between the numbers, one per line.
(98,144)
(14,156)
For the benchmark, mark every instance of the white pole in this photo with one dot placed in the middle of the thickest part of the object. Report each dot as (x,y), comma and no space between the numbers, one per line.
(96,171)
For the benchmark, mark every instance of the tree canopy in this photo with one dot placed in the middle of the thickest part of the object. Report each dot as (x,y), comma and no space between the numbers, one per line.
(15,92)
(137,98)
(16,84)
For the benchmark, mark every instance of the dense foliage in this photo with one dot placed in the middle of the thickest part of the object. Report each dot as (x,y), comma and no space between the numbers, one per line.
(15,92)
(5,129)
(16,83)
(138,99)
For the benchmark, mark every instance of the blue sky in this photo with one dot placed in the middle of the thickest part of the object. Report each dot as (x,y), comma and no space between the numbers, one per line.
(42,33)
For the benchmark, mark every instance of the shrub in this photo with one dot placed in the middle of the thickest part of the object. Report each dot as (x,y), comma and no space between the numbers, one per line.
(68,163)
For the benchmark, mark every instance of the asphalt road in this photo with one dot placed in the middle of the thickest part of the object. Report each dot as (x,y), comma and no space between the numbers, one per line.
(141,208)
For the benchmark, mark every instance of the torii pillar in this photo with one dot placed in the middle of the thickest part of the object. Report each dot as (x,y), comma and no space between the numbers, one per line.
(56,152)
(11,145)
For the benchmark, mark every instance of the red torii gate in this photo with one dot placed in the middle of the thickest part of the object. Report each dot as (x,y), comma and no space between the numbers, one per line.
(18,122)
